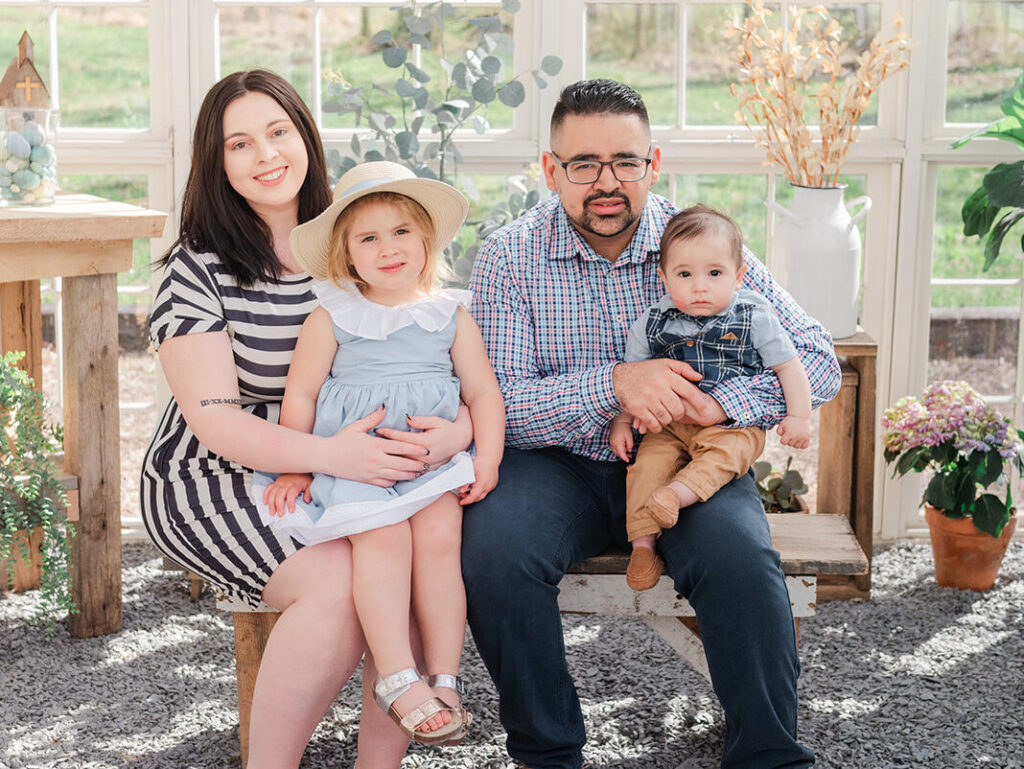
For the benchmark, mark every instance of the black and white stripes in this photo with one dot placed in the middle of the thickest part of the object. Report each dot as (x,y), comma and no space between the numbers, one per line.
(196,505)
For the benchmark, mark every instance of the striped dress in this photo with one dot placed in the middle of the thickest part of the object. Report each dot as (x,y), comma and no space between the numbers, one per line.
(196,505)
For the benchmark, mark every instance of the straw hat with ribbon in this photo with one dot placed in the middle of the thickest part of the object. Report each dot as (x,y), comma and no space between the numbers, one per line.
(446,206)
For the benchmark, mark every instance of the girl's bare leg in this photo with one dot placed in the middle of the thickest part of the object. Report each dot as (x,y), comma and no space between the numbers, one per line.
(439,597)
(311,652)
(381,585)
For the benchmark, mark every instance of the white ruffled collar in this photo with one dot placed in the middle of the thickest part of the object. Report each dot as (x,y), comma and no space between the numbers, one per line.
(354,313)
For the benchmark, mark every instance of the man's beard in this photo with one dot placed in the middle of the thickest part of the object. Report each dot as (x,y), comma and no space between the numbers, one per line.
(605,226)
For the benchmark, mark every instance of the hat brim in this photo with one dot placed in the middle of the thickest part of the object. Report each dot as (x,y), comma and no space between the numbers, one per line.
(446,206)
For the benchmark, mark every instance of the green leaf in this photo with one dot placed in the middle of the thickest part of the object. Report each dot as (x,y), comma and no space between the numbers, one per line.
(995,238)
(908,461)
(551,65)
(977,214)
(990,514)
(421,40)
(491,65)
(384,37)
(417,73)
(407,144)
(992,469)
(512,94)
(418,25)
(1013,103)
(459,76)
(761,470)
(393,57)
(420,98)
(1004,184)
(483,91)
(487,24)
(541,82)
(404,88)
(941,492)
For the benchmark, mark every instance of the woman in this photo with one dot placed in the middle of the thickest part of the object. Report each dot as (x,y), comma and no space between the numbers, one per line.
(225,321)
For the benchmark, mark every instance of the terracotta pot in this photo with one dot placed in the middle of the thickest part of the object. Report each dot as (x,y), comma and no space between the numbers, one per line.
(27,574)
(966,558)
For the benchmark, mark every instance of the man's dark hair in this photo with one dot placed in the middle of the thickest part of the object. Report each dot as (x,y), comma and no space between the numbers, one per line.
(700,221)
(217,219)
(597,97)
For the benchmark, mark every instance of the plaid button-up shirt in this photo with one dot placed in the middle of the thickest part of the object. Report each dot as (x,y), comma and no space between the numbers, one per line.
(554,316)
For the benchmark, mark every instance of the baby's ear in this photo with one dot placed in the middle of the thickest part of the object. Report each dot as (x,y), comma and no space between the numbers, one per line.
(740,273)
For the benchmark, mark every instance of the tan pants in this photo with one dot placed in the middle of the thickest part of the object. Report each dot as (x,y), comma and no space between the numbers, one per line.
(703,459)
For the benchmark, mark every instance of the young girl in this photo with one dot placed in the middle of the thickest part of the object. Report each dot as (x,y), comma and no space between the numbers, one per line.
(385,340)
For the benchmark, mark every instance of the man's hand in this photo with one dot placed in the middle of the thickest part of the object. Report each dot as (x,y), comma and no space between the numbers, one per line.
(657,392)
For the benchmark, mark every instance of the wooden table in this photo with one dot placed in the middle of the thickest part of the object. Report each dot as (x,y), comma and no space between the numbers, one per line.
(86,241)
(846,455)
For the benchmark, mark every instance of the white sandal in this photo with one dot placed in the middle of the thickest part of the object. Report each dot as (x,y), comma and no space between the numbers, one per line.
(387,690)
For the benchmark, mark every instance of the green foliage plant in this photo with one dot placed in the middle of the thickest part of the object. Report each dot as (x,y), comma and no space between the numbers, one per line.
(779,489)
(31,493)
(952,431)
(422,133)
(1001,193)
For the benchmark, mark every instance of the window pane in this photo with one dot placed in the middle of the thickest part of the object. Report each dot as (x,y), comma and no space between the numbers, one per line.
(986,48)
(104,66)
(128,188)
(350,58)
(17,19)
(741,197)
(485,192)
(637,45)
(710,69)
(954,255)
(974,338)
(285,43)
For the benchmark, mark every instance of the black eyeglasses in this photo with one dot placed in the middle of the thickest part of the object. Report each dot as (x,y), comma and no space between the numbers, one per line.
(589,171)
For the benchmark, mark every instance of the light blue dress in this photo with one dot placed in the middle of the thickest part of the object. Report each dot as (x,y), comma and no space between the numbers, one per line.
(396,356)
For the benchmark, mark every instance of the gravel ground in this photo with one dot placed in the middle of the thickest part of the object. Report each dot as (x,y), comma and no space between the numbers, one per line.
(920,676)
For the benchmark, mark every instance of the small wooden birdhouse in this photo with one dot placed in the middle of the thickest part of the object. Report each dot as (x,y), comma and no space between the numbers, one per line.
(21,85)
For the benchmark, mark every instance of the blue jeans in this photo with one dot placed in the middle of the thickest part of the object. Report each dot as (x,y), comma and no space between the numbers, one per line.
(552,509)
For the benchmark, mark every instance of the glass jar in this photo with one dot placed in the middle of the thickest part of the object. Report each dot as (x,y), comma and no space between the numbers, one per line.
(28,156)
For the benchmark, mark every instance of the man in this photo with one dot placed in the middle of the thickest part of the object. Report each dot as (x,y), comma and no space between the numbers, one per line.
(554,293)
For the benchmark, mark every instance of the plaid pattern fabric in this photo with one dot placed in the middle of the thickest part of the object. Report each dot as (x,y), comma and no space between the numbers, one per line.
(720,350)
(554,316)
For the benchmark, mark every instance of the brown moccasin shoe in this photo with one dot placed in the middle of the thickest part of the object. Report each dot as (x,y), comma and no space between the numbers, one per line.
(644,570)
(663,506)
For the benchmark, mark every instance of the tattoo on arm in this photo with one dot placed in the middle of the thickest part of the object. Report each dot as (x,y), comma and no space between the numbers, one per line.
(218,401)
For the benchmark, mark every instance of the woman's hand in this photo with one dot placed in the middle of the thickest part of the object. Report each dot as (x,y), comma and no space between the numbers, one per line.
(439,441)
(358,456)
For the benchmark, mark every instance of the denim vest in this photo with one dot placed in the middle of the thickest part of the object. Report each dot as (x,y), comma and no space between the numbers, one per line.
(720,350)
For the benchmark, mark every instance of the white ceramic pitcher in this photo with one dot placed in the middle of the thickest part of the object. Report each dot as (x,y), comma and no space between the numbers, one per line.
(817,252)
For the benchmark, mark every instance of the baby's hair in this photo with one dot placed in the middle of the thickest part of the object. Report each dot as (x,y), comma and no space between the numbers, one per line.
(339,265)
(699,221)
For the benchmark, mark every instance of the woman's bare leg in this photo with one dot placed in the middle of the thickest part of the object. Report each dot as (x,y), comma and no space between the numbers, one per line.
(311,652)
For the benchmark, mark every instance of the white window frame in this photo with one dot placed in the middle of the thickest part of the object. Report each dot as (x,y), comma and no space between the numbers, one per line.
(899,158)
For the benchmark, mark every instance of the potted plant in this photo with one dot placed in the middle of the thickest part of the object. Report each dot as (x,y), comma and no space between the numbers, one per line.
(786,74)
(969,447)
(780,490)
(33,528)
(1002,189)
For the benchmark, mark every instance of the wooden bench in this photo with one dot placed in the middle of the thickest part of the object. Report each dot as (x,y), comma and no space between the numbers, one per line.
(810,546)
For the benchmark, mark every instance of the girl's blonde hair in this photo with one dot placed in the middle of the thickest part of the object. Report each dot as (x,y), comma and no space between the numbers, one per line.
(339,265)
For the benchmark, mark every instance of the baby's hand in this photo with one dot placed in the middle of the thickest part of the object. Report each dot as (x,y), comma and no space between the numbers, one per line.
(795,432)
(620,440)
(486,479)
(280,496)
